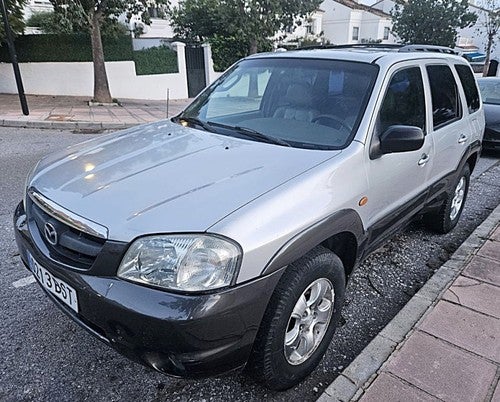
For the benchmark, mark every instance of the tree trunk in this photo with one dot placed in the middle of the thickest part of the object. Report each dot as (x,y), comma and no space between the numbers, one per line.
(488,55)
(253,46)
(101,86)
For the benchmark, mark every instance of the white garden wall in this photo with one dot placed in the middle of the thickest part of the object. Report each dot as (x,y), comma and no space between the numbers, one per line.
(210,74)
(77,79)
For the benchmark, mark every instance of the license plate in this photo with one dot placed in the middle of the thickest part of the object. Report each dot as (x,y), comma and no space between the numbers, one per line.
(54,285)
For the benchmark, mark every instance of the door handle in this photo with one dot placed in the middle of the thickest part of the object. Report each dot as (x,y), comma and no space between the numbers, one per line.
(463,138)
(423,160)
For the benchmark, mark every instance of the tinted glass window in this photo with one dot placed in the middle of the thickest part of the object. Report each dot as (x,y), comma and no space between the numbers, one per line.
(302,102)
(469,85)
(445,100)
(404,101)
(490,90)
(243,94)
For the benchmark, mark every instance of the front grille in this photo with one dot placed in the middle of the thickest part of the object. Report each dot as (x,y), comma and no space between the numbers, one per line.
(74,248)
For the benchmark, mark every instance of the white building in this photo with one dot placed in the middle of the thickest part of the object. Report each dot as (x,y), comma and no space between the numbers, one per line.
(309,29)
(475,36)
(36,6)
(351,22)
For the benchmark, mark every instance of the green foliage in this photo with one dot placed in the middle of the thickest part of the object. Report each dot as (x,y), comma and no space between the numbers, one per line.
(77,15)
(15,16)
(226,51)
(155,60)
(40,19)
(432,22)
(76,48)
(59,23)
(94,16)
(66,48)
(370,40)
(243,26)
(197,20)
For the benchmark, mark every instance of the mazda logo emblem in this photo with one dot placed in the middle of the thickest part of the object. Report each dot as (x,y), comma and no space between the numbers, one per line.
(50,233)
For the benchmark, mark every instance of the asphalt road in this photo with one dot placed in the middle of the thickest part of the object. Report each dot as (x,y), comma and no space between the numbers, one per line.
(44,356)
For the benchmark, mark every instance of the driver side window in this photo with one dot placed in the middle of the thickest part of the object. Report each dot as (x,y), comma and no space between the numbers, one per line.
(404,101)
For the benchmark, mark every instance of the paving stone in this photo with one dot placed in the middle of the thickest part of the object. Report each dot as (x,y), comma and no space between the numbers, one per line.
(465,251)
(437,283)
(388,388)
(325,398)
(476,295)
(454,265)
(370,360)
(407,317)
(68,110)
(10,122)
(484,269)
(465,328)
(491,249)
(496,395)
(496,234)
(441,369)
(39,124)
(341,389)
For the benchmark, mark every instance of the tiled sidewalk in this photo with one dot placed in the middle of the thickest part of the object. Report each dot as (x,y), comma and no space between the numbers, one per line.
(74,112)
(454,353)
(444,344)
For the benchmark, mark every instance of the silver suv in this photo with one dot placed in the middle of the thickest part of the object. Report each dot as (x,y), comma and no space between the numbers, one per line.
(225,237)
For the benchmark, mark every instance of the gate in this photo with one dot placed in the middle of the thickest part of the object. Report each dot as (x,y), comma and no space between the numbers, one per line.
(195,66)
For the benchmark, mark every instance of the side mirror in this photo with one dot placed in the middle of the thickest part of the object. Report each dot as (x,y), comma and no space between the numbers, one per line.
(401,139)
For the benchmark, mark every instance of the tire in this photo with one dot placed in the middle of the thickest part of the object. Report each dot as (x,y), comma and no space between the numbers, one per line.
(273,363)
(446,218)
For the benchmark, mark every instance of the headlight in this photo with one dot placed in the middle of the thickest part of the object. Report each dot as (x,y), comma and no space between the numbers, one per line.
(181,262)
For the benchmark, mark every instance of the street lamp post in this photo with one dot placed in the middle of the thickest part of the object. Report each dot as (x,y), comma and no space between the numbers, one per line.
(13,58)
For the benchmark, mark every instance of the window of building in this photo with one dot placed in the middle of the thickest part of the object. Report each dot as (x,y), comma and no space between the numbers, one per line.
(404,101)
(355,33)
(386,33)
(469,85)
(444,94)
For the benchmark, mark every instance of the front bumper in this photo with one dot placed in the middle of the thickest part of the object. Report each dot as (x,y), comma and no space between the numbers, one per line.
(177,334)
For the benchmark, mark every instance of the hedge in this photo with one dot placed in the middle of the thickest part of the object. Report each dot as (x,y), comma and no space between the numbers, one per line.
(66,48)
(77,48)
(155,60)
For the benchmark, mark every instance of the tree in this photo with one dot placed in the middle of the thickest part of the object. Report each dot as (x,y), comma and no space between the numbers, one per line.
(92,16)
(51,23)
(432,22)
(248,23)
(15,16)
(489,26)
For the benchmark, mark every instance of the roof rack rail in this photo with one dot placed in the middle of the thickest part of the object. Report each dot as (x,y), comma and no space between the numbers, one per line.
(387,46)
(354,46)
(427,48)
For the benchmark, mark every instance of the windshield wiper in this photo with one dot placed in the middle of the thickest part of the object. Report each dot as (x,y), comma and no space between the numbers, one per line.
(195,121)
(251,133)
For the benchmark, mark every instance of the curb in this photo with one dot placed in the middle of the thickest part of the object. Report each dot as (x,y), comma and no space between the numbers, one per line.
(67,125)
(356,378)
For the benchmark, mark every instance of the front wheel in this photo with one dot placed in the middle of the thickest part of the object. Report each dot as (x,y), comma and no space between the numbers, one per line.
(299,321)
(449,213)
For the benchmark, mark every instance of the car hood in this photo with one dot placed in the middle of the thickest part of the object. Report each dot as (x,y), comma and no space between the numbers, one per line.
(164,177)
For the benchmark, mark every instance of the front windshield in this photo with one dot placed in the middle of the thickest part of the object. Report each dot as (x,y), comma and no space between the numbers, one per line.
(306,103)
(490,90)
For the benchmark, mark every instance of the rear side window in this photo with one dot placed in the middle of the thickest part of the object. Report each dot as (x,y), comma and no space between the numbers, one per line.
(445,99)
(469,85)
(404,101)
